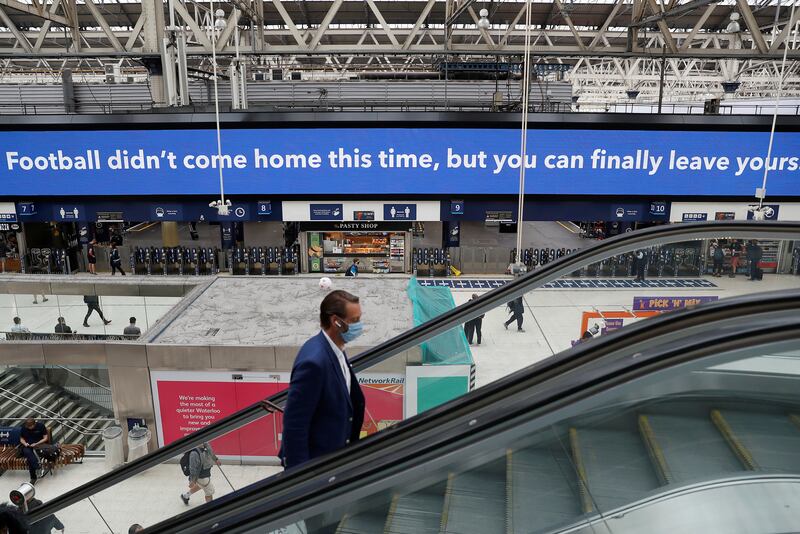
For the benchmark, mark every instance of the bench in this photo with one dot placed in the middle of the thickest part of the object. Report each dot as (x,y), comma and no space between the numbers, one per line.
(9,461)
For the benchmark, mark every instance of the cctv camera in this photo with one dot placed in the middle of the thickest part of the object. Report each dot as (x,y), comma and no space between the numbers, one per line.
(213,204)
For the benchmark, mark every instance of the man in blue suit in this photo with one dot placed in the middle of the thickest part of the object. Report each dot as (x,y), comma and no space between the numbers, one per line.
(325,407)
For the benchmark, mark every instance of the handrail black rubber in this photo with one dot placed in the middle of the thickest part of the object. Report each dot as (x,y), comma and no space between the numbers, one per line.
(503,402)
(552,271)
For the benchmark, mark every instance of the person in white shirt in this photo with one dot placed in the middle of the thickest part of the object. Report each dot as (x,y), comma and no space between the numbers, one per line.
(18,327)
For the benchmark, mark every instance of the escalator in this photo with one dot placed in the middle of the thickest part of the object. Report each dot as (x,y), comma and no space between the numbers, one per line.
(568,444)
(673,425)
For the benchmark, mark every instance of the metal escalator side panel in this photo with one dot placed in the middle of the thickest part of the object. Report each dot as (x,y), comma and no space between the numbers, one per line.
(794,418)
(654,450)
(738,448)
(509,491)
(580,468)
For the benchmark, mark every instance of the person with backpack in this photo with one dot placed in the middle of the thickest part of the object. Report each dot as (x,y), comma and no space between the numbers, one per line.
(196,464)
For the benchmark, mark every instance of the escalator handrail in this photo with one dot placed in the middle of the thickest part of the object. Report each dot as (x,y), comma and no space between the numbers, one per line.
(552,271)
(414,440)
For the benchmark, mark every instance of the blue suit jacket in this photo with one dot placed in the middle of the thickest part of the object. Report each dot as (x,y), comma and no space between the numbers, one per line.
(320,415)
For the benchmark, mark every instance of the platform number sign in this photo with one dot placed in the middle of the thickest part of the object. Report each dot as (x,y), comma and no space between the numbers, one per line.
(456,207)
(658,209)
(264,207)
(26,208)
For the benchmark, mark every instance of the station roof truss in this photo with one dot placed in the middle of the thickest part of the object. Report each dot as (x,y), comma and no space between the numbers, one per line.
(609,48)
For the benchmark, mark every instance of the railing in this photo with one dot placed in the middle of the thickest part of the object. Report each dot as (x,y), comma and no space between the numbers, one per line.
(85,427)
(47,336)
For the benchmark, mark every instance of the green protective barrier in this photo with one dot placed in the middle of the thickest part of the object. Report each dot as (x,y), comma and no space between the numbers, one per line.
(433,391)
(450,347)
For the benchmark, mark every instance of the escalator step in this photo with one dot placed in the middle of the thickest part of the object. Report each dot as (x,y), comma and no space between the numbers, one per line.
(617,465)
(693,448)
(544,490)
(370,522)
(772,439)
(476,501)
(418,512)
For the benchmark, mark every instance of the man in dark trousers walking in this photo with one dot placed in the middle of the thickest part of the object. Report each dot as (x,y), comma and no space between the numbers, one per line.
(640,258)
(116,261)
(93,304)
(754,255)
(473,326)
(325,405)
(517,308)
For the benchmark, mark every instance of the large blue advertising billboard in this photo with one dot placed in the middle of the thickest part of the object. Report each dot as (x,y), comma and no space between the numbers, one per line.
(378,161)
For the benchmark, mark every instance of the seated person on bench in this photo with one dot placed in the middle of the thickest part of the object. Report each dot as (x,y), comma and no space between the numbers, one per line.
(32,435)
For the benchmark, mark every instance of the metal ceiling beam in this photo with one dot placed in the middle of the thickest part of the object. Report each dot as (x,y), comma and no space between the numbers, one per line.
(33,10)
(462,8)
(674,12)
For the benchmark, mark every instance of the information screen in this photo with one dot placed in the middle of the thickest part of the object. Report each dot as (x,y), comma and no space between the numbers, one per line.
(380,161)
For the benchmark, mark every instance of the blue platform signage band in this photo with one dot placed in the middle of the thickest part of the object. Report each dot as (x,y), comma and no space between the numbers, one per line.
(326,212)
(400,212)
(395,161)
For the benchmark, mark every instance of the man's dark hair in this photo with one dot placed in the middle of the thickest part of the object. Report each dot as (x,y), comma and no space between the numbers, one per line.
(17,320)
(335,303)
(133,320)
(134,528)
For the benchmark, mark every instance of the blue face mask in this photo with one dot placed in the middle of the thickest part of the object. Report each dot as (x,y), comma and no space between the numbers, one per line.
(354,330)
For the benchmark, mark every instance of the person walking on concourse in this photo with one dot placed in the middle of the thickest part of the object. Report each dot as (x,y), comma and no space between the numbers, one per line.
(517,308)
(93,304)
(473,326)
(325,404)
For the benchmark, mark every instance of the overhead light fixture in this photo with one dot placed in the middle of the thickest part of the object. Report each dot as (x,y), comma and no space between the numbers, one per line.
(733,25)
(483,22)
(632,93)
(219,19)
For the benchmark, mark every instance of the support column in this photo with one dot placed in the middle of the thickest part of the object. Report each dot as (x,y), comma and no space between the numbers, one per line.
(68,91)
(169,234)
(153,33)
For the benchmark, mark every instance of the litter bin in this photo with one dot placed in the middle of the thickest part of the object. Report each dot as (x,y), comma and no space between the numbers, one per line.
(138,439)
(112,442)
